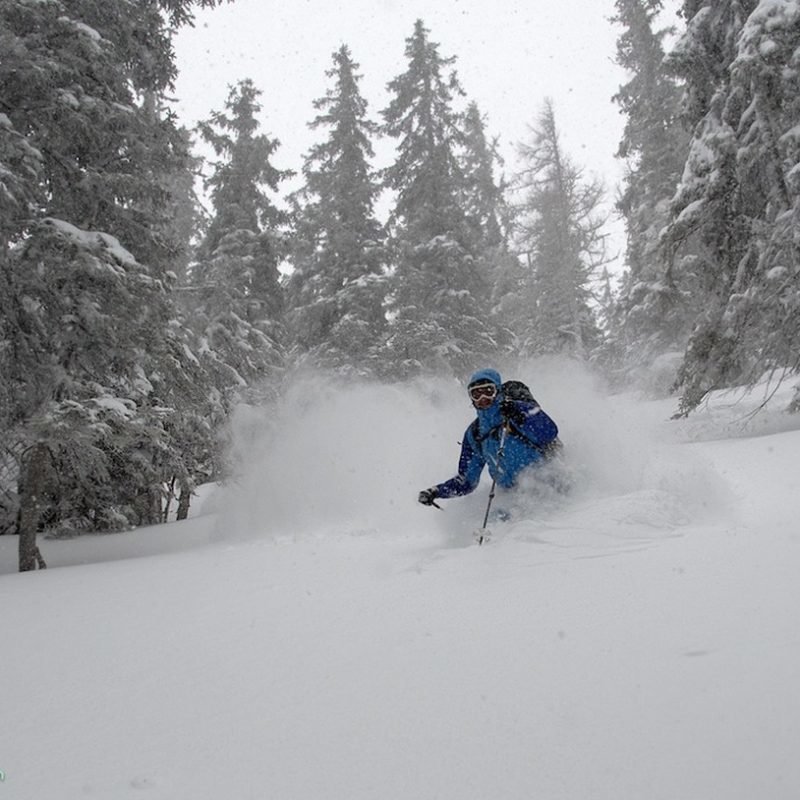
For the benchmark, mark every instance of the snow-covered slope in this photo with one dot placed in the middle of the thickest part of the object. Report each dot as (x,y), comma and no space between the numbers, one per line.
(320,636)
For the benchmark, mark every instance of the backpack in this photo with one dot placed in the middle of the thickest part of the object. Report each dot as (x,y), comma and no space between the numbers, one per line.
(517,390)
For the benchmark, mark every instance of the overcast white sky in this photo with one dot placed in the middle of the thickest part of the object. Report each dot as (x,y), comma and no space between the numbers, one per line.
(511,54)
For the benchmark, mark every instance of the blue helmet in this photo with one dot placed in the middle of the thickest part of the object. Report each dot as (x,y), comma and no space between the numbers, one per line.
(486,376)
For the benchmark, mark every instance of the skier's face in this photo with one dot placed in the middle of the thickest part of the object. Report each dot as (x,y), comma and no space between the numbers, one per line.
(482,394)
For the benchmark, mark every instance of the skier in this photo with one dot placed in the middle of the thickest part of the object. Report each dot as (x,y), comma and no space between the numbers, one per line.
(511,434)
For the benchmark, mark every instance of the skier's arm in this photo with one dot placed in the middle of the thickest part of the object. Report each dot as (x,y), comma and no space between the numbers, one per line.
(470,466)
(529,420)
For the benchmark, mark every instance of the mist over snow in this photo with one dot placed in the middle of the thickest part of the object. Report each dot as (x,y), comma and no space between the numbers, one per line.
(342,456)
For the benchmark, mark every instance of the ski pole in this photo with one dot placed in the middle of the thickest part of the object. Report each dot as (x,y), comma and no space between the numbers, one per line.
(481,533)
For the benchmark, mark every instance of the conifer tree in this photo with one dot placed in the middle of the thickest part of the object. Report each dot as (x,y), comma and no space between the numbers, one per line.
(560,233)
(440,300)
(483,196)
(337,288)
(91,365)
(240,308)
(489,221)
(740,191)
(656,304)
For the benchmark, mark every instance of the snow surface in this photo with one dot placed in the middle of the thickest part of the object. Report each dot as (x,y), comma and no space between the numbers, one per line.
(312,633)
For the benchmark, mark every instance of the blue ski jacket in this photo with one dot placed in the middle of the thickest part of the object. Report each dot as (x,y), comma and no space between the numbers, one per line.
(522,429)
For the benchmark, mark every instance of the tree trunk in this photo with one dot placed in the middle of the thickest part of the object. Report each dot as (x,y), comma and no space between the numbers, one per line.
(33,482)
(168,501)
(183,502)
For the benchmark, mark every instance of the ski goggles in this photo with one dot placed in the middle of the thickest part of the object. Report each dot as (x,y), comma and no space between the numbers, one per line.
(481,391)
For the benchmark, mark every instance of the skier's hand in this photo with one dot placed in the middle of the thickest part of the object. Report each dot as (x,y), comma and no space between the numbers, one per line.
(511,412)
(427,497)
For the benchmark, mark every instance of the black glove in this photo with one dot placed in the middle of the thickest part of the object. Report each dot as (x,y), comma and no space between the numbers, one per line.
(510,411)
(427,496)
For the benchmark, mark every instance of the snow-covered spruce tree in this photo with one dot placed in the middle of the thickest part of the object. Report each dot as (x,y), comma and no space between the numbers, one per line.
(239,308)
(187,219)
(21,191)
(439,300)
(337,289)
(740,188)
(88,347)
(483,197)
(657,301)
(560,236)
(488,217)
(122,378)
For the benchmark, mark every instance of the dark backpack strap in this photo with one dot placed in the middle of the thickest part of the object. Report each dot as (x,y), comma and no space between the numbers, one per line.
(474,429)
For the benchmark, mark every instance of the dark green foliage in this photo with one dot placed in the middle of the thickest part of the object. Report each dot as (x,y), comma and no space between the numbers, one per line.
(81,81)
(238,302)
(337,288)
(243,176)
(95,368)
(657,301)
(440,300)
(483,202)
(101,379)
(740,194)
